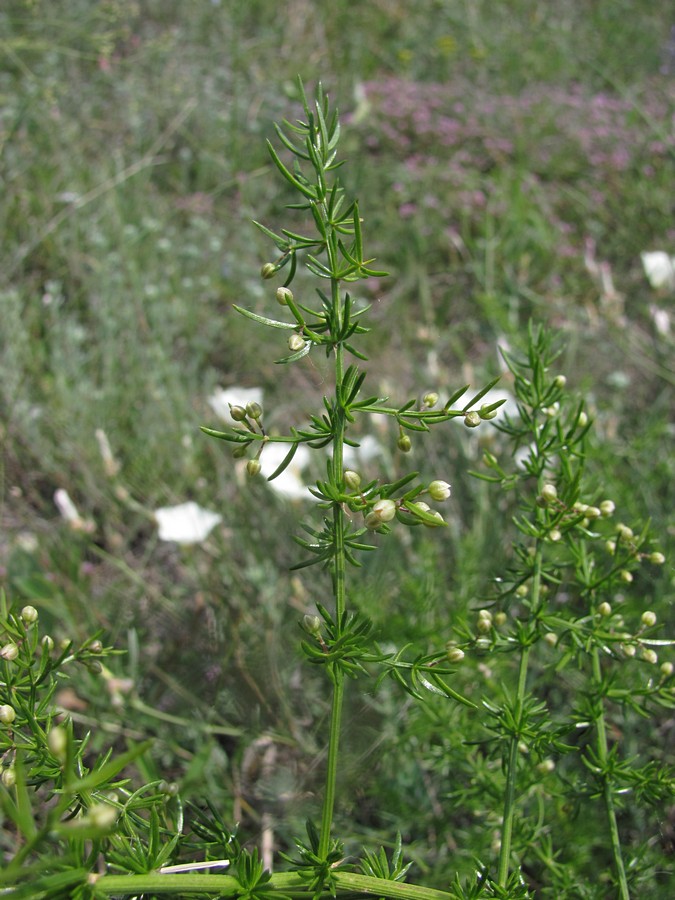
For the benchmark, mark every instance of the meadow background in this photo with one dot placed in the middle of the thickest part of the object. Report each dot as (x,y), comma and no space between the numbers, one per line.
(512,161)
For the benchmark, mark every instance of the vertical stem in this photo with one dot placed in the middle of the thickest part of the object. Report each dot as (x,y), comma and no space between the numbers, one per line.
(602,748)
(511,763)
(339,591)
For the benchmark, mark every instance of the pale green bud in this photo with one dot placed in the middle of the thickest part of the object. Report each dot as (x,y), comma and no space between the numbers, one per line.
(546,766)
(555,535)
(47,643)
(560,381)
(522,590)
(439,490)
(666,669)
(95,647)
(648,618)
(9,776)
(593,512)
(284,295)
(312,625)
(455,655)
(7,714)
(57,741)
(437,516)
(500,618)
(102,815)
(472,419)
(551,639)
(238,413)
(430,399)
(582,421)
(296,343)
(549,493)
(607,508)
(484,625)
(625,533)
(268,270)
(650,656)
(610,546)
(253,467)
(254,410)
(657,558)
(352,480)
(9,652)
(29,615)
(626,576)
(486,413)
(605,609)
(628,650)
(404,443)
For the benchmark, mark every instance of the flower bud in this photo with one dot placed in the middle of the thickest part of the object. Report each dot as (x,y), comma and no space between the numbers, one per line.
(29,615)
(7,714)
(455,655)
(404,443)
(546,766)
(47,643)
(626,576)
(484,625)
(95,647)
(582,421)
(657,558)
(352,480)
(605,609)
(238,413)
(57,741)
(435,515)
(430,399)
(9,776)
(439,490)
(253,467)
(625,533)
(486,413)
(500,618)
(549,493)
(240,451)
(283,296)
(607,508)
(312,625)
(648,618)
(268,270)
(385,510)
(593,512)
(296,342)
(254,410)
(551,638)
(9,652)
(555,535)
(666,669)
(649,656)
(560,381)
(522,590)
(472,419)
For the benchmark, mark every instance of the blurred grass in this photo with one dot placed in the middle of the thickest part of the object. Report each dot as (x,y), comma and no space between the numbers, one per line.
(491,145)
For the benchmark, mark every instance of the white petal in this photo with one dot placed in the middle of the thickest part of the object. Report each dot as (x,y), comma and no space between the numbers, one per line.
(659,269)
(220,400)
(186,523)
(290,483)
(66,506)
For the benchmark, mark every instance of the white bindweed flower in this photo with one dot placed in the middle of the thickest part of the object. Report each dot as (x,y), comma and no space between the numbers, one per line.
(222,398)
(187,523)
(659,269)
(290,483)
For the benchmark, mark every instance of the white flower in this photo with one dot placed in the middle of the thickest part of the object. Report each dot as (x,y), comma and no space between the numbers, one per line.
(186,523)
(659,269)
(221,398)
(290,483)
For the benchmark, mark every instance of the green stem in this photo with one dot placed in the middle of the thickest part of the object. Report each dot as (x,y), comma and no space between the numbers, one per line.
(339,590)
(603,750)
(287,883)
(512,756)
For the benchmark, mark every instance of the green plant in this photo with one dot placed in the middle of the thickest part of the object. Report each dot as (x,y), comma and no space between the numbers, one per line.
(560,596)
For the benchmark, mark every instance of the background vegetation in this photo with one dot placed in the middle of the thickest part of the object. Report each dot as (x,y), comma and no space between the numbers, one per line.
(512,160)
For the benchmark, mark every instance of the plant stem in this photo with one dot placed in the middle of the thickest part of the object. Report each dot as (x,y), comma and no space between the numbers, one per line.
(602,748)
(512,759)
(339,590)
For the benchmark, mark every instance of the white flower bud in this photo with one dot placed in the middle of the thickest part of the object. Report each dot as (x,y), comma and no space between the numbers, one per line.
(551,639)
(667,669)
(455,655)
(352,480)
(385,510)
(439,490)
(283,295)
(296,342)
(549,493)
(626,576)
(472,419)
(253,467)
(238,413)
(607,508)
(605,609)
(546,766)
(9,776)
(657,558)
(560,381)
(29,615)
(628,650)
(649,656)
(57,741)
(430,399)
(555,535)
(582,421)
(9,652)
(648,618)
(268,270)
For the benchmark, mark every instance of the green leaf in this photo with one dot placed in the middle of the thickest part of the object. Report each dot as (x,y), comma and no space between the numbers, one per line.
(263,320)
